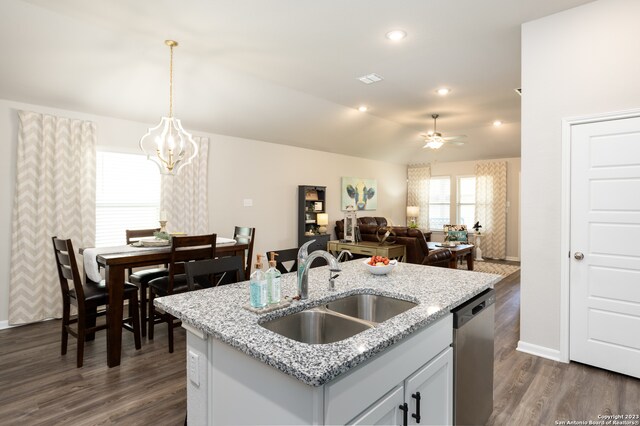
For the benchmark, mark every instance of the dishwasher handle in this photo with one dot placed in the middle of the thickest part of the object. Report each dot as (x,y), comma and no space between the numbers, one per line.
(475,306)
(476,309)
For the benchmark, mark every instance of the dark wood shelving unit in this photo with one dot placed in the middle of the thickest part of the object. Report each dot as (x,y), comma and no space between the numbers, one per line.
(311,201)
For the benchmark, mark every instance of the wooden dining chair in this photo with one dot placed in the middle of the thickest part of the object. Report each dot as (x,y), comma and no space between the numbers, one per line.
(214,272)
(141,277)
(245,235)
(87,298)
(283,256)
(183,249)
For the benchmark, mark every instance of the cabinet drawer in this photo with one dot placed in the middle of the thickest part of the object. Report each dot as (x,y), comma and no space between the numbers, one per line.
(364,250)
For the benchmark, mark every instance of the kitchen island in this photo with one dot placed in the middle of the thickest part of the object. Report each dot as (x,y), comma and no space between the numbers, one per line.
(241,373)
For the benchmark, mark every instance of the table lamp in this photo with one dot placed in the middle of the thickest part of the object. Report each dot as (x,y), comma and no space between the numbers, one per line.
(322,219)
(413,212)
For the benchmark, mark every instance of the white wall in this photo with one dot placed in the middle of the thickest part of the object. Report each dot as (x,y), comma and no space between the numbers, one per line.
(467,168)
(238,168)
(580,62)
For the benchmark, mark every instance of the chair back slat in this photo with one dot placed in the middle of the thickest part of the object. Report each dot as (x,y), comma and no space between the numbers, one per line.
(134,235)
(67,267)
(246,235)
(283,256)
(184,249)
(66,272)
(214,272)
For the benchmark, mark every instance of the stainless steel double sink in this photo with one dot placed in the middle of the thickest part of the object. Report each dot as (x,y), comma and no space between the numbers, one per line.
(338,320)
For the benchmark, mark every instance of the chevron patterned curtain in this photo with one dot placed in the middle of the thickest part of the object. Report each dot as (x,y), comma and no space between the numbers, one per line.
(54,195)
(184,196)
(491,207)
(418,178)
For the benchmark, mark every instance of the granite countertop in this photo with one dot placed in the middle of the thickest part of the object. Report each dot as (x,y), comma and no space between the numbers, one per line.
(218,312)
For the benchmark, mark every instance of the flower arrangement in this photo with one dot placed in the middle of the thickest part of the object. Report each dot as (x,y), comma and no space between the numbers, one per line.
(162,235)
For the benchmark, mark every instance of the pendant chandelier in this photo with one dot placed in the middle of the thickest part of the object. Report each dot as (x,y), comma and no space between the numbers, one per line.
(168,144)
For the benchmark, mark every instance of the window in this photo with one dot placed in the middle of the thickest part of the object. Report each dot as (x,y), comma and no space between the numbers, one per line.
(127,196)
(439,202)
(466,201)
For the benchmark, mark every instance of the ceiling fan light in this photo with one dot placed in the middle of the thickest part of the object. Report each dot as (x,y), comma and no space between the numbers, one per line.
(434,144)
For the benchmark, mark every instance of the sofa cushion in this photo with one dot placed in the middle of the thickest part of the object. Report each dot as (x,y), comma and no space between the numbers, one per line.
(375,221)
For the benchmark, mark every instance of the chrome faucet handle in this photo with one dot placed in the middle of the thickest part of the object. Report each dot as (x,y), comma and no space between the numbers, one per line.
(344,253)
(332,279)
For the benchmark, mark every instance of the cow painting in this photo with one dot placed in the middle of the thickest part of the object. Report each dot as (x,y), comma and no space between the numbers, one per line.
(360,194)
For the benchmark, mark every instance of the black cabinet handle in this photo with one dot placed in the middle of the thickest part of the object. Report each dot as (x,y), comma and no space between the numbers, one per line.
(416,415)
(405,410)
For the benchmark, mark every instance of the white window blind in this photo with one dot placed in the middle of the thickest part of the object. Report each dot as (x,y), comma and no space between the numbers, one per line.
(466,201)
(127,196)
(439,202)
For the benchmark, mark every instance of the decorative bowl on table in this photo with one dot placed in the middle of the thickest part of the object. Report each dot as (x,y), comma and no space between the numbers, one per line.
(380,268)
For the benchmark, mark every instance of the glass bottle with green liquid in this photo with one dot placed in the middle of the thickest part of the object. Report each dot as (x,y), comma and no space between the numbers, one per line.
(258,286)
(273,281)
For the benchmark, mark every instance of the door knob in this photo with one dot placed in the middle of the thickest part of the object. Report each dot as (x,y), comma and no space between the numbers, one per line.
(578,255)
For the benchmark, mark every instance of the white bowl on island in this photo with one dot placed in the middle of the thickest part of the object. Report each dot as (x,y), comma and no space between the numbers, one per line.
(382,269)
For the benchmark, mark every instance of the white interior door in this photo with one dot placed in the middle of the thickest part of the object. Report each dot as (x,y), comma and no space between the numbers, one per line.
(605,245)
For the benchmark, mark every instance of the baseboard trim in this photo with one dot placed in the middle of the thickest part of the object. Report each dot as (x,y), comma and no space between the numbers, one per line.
(5,324)
(513,258)
(537,350)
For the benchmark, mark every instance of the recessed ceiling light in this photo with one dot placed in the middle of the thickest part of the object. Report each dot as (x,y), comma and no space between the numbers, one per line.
(396,35)
(362,108)
(370,78)
(443,91)
(497,123)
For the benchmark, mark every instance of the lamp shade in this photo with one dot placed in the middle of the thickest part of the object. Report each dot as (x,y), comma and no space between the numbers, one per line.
(413,211)
(322,219)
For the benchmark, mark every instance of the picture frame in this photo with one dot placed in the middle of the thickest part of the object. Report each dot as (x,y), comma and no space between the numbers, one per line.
(360,193)
(317,206)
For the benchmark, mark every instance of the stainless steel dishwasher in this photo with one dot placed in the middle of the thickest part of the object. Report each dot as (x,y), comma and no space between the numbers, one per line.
(473,324)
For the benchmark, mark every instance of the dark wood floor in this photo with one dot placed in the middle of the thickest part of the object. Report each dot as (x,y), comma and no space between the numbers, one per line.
(39,387)
(530,390)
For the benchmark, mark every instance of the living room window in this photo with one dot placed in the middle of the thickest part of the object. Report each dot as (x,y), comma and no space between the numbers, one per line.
(466,201)
(439,202)
(127,196)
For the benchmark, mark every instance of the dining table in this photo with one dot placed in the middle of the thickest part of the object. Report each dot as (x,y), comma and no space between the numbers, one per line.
(116,263)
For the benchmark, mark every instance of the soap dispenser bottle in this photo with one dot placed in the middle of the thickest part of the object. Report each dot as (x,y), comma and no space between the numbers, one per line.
(258,286)
(273,281)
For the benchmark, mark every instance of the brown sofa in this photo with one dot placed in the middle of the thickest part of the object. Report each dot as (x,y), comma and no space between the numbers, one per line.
(412,238)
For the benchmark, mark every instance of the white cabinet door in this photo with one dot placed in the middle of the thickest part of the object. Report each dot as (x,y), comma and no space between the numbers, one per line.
(605,256)
(386,411)
(429,392)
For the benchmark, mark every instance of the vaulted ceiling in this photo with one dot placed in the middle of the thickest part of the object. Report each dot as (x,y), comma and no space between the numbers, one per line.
(283,71)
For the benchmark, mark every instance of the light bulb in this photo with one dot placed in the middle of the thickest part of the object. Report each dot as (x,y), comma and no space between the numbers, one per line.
(396,35)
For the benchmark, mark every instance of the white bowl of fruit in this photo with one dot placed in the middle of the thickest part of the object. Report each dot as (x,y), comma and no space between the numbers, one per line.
(379,265)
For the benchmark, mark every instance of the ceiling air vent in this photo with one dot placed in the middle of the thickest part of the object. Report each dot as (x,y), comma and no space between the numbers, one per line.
(518,91)
(370,78)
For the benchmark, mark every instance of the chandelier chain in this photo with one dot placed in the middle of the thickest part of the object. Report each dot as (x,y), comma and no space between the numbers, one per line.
(171,81)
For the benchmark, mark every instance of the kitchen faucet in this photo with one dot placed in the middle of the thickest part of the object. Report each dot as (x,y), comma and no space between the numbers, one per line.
(345,253)
(304,263)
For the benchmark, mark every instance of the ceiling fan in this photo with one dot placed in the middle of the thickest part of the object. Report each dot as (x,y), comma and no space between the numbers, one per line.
(435,140)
